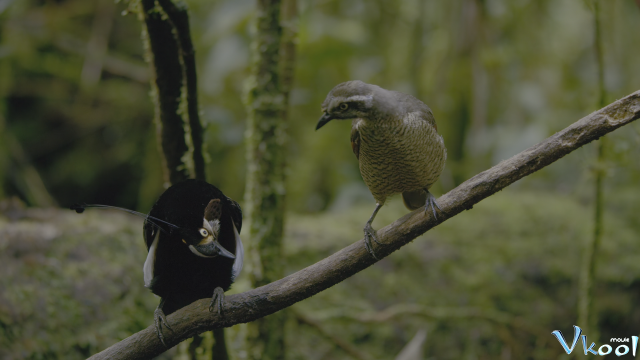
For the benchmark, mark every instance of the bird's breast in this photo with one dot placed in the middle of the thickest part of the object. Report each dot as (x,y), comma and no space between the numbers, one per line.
(399,156)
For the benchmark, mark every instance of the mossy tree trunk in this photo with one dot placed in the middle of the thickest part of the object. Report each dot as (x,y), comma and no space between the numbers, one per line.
(464,64)
(588,271)
(170,52)
(267,99)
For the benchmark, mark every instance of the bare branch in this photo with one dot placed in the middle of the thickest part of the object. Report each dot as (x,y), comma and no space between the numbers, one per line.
(265,300)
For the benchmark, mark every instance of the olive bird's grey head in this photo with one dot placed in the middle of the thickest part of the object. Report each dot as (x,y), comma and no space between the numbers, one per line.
(349,100)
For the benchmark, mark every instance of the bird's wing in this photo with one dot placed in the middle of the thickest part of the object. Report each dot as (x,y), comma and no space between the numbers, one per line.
(237,263)
(415,107)
(150,263)
(355,140)
(149,232)
(236,214)
(236,220)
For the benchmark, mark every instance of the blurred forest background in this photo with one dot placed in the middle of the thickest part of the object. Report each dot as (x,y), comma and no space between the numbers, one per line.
(76,125)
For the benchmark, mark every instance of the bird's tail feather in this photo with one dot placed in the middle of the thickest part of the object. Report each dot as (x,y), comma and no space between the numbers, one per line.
(414,199)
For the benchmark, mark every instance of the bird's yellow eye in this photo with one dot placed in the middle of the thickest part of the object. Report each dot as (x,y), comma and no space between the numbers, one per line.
(344,106)
(204,232)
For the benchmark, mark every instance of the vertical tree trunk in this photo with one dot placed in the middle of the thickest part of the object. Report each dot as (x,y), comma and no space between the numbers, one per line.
(170,52)
(219,350)
(459,121)
(272,74)
(98,44)
(586,317)
(416,52)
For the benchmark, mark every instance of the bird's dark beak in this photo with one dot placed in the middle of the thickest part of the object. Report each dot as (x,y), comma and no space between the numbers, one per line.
(323,120)
(211,249)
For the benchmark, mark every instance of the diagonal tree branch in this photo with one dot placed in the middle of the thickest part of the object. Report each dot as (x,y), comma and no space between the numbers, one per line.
(265,300)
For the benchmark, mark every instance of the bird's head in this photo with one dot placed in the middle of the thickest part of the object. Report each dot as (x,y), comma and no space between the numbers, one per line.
(349,100)
(203,241)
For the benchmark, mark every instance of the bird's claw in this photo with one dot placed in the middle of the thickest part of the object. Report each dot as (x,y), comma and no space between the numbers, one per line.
(431,203)
(217,300)
(159,319)
(369,234)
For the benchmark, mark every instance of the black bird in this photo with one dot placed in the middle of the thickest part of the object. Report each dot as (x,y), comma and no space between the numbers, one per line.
(195,250)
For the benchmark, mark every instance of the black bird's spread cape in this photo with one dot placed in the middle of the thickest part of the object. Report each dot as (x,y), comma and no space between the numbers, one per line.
(179,276)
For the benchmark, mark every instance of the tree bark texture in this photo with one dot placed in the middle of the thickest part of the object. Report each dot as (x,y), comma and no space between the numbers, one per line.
(170,52)
(589,265)
(462,62)
(174,88)
(267,100)
(219,350)
(273,297)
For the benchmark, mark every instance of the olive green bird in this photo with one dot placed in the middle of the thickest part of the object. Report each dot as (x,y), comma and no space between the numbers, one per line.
(396,140)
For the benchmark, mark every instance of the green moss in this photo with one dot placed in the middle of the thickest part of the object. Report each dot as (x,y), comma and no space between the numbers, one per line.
(71,284)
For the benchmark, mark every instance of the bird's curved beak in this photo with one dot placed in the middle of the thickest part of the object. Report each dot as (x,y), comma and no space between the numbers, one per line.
(210,250)
(323,120)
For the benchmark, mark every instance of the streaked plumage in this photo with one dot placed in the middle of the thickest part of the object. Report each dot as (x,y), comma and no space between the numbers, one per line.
(395,138)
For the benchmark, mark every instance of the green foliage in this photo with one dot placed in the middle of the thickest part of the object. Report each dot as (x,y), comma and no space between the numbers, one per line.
(84,140)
